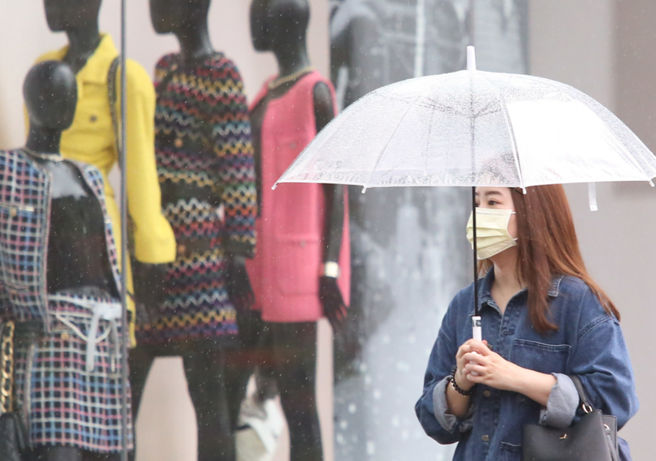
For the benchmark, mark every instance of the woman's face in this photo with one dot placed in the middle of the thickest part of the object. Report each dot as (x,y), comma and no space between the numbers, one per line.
(498,198)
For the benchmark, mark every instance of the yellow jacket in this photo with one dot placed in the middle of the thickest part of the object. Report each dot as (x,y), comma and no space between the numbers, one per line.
(90,139)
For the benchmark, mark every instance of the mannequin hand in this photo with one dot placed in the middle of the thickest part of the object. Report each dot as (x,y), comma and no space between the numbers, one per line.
(238,284)
(492,369)
(331,298)
(148,282)
(250,327)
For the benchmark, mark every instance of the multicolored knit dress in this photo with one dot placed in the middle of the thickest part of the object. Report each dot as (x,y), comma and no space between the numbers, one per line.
(206,172)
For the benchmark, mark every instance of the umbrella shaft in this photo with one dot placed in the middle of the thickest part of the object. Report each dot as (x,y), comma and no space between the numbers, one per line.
(474,251)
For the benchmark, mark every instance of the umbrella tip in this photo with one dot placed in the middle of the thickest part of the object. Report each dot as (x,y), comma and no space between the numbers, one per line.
(274,186)
(471,58)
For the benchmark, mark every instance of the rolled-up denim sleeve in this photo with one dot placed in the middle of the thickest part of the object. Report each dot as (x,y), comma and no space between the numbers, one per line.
(441,410)
(562,404)
(431,408)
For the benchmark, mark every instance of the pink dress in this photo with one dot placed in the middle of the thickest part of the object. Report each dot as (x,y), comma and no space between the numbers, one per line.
(289,254)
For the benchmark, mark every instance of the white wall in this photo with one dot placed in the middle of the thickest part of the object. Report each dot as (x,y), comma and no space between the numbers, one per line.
(605,48)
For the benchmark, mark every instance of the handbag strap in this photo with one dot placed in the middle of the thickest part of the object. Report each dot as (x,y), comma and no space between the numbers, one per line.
(112,96)
(7,371)
(585,401)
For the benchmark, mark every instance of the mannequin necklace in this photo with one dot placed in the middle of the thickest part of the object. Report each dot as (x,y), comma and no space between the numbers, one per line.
(50,157)
(273,84)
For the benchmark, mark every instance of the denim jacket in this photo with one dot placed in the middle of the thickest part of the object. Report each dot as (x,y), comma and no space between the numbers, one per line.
(588,343)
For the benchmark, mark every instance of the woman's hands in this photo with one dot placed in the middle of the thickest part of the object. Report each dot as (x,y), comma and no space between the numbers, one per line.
(461,377)
(489,367)
(457,403)
(493,370)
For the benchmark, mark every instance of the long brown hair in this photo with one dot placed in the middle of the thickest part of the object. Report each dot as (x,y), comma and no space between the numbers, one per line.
(547,247)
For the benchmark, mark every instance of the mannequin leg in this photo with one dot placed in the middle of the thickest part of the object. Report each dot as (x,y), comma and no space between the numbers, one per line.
(294,360)
(141,360)
(217,383)
(239,368)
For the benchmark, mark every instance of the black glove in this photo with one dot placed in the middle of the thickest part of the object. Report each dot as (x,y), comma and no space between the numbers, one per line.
(148,281)
(240,292)
(238,284)
(332,300)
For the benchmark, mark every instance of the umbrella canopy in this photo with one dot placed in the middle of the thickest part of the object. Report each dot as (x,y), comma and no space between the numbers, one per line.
(474,128)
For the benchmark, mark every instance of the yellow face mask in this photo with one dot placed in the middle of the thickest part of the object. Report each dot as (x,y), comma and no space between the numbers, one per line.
(492,235)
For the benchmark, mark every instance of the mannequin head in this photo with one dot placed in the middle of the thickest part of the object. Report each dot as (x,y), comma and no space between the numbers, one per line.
(50,93)
(65,15)
(176,16)
(278,24)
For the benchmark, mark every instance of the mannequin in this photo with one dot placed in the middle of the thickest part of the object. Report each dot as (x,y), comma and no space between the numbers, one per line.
(294,295)
(91,138)
(61,207)
(357,22)
(205,165)
(75,254)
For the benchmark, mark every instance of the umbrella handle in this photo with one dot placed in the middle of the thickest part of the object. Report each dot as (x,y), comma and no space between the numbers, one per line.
(477,332)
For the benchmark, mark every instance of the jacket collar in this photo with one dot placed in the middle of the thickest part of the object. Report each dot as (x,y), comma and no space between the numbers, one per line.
(485,288)
(97,66)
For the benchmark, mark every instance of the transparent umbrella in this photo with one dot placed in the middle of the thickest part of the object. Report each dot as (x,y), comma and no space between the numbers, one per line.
(474,128)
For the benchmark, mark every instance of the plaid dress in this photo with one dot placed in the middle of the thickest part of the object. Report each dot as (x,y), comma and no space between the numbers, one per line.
(61,401)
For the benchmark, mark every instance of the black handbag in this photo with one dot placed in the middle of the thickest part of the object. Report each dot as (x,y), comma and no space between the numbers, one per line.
(592,438)
(12,436)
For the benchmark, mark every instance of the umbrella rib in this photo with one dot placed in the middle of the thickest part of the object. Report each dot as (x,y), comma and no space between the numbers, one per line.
(624,154)
(380,156)
(483,110)
(513,141)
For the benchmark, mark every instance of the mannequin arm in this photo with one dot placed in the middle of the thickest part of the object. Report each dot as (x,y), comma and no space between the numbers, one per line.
(236,171)
(331,297)
(235,165)
(153,237)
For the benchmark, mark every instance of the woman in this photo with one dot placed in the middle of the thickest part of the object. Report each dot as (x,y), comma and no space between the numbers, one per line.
(543,319)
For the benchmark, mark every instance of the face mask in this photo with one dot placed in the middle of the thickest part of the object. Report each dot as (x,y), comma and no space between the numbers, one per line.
(492,235)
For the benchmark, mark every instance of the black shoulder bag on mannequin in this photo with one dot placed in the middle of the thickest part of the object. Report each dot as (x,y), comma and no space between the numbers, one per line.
(592,438)
(12,433)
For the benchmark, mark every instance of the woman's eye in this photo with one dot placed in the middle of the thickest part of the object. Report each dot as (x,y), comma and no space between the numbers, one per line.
(492,203)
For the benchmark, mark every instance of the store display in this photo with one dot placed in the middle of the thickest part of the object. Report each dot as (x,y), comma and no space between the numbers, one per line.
(226,273)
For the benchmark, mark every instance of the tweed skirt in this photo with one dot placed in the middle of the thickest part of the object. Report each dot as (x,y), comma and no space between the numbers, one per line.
(62,401)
